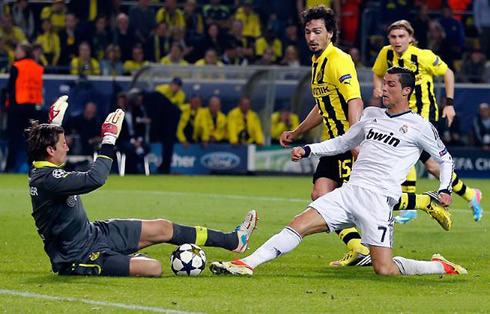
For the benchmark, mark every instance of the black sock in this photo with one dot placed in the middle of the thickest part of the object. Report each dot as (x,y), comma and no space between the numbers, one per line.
(204,237)
(227,241)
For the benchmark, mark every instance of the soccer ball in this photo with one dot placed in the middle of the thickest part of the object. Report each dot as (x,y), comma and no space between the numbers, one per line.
(188,260)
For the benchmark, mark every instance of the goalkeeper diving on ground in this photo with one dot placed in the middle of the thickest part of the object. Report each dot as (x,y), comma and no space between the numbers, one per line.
(75,245)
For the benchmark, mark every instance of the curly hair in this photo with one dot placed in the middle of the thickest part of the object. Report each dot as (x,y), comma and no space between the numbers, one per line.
(41,136)
(321,12)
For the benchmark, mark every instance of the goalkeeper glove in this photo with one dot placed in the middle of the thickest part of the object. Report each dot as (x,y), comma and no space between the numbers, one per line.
(111,128)
(57,110)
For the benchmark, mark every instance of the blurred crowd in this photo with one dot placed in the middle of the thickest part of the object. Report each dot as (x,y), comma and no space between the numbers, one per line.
(107,37)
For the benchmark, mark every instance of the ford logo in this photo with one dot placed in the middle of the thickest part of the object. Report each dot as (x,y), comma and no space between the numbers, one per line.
(220,161)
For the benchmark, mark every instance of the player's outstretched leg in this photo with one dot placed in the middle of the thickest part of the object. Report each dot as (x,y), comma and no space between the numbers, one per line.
(358,254)
(427,202)
(438,265)
(438,212)
(164,231)
(472,196)
(385,264)
(308,222)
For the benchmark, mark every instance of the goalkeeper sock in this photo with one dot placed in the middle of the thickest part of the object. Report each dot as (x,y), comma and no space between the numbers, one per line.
(412,201)
(280,244)
(414,267)
(462,189)
(202,236)
(352,239)
(410,184)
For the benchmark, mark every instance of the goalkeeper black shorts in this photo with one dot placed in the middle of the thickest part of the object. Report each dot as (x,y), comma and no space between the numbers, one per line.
(109,253)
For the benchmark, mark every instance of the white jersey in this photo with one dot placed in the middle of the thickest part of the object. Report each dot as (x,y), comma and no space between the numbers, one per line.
(390,145)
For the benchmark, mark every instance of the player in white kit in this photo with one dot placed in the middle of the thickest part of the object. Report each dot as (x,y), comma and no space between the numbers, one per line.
(390,141)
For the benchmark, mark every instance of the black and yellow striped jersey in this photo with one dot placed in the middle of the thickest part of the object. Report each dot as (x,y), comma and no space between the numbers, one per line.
(333,83)
(426,65)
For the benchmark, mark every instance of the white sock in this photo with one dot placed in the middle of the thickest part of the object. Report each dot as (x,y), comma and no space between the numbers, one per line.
(414,267)
(280,244)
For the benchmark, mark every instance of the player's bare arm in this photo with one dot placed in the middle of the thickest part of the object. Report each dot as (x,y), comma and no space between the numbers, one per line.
(448,111)
(355,110)
(378,83)
(313,119)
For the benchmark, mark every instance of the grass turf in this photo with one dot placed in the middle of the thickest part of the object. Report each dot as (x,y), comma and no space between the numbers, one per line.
(297,282)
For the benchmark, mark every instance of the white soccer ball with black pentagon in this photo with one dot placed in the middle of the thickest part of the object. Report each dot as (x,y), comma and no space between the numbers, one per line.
(188,260)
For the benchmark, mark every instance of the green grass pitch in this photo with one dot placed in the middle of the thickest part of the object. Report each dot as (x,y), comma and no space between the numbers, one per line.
(299,282)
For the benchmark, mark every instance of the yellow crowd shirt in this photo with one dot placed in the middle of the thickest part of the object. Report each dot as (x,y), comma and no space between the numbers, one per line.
(186,129)
(176,99)
(77,66)
(244,129)
(207,126)
(175,20)
(277,126)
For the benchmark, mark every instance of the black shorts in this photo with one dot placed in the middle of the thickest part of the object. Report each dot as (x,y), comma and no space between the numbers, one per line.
(108,255)
(336,168)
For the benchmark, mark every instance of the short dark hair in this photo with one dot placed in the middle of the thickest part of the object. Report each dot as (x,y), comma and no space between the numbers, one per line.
(405,76)
(321,12)
(27,48)
(41,136)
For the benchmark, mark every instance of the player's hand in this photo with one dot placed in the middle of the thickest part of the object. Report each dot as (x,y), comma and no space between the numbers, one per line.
(286,138)
(445,199)
(297,153)
(377,92)
(57,110)
(111,128)
(449,113)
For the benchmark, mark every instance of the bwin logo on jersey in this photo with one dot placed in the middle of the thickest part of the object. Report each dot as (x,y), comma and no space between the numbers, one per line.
(388,139)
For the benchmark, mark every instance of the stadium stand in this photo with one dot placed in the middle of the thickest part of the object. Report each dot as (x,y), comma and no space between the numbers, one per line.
(203,43)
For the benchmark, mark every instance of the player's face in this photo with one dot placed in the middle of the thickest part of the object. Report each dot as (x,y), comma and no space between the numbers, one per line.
(392,90)
(317,36)
(58,153)
(400,40)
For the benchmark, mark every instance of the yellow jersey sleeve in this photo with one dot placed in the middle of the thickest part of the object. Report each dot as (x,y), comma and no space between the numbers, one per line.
(345,77)
(381,65)
(433,63)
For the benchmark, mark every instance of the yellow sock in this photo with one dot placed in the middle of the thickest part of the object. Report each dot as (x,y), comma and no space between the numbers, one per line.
(413,201)
(410,185)
(201,235)
(352,239)
(462,189)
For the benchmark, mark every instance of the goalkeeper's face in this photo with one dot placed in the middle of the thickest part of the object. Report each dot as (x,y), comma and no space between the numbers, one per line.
(57,154)
(317,37)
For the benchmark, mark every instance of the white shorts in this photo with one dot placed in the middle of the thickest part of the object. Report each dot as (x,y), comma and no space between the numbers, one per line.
(350,206)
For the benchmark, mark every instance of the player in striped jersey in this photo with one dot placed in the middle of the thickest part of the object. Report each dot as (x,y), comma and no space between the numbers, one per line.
(425,64)
(338,104)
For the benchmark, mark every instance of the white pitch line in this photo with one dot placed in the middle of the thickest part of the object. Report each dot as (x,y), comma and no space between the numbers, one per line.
(92,302)
(237,197)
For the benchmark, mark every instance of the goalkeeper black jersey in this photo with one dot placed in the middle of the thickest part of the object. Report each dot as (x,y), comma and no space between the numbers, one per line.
(58,211)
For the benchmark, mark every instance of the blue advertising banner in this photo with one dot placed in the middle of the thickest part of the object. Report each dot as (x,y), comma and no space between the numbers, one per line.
(217,158)
(471,163)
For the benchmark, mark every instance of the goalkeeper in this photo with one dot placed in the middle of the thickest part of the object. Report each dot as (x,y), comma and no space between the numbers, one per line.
(76,246)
